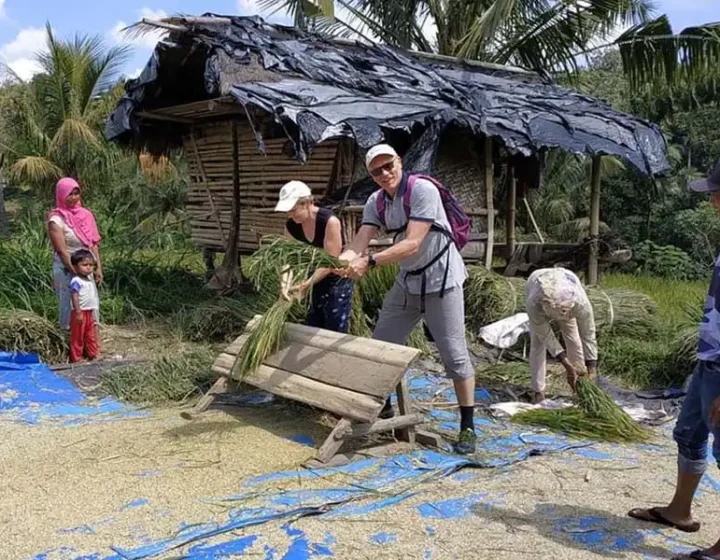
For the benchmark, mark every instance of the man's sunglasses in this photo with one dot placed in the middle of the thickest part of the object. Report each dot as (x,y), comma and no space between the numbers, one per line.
(388,167)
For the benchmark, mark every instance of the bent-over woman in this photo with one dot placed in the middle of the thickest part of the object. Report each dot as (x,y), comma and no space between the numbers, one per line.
(70,227)
(556,295)
(331,295)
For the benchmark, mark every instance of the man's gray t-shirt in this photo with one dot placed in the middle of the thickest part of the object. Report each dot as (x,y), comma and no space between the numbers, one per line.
(426,206)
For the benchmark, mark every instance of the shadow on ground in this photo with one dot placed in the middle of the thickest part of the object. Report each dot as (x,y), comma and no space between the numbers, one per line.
(581,528)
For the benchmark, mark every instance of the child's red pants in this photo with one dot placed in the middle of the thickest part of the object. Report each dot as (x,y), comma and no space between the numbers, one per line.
(83,336)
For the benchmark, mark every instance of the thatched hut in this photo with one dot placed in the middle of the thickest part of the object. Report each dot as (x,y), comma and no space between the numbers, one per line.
(254,105)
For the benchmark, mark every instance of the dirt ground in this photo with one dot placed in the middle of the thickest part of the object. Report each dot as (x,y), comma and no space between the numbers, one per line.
(73,490)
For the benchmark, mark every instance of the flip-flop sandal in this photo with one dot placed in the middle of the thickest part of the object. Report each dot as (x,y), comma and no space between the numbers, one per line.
(653,515)
(694,555)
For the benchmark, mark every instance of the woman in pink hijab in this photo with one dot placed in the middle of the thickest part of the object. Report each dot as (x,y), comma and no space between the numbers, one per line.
(70,227)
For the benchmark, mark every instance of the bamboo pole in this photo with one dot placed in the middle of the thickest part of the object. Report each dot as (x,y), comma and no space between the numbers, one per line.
(511,212)
(488,167)
(532,219)
(592,271)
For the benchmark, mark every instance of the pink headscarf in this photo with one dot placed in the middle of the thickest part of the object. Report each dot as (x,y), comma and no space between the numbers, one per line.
(77,218)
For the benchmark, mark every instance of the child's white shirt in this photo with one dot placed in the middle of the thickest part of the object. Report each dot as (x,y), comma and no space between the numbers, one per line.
(87,293)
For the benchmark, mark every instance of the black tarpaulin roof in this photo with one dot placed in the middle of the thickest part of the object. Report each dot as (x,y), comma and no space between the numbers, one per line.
(325,89)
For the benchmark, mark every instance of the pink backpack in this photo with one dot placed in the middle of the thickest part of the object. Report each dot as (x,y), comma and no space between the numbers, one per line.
(460,223)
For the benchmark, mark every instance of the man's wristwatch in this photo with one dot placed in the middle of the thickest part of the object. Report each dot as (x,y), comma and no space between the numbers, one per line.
(371,261)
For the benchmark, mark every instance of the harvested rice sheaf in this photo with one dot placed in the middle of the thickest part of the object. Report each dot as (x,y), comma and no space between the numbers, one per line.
(596,417)
(276,255)
(24,331)
(490,297)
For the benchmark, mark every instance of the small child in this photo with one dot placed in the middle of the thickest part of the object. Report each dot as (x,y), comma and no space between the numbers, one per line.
(85,307)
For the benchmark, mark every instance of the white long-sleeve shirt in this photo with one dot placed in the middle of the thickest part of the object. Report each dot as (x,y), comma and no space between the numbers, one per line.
(581,310)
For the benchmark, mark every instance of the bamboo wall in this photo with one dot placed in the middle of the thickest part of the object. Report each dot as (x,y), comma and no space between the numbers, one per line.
(209,154)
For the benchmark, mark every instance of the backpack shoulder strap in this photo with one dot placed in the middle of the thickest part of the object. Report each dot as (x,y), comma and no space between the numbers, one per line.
(380,206)
(408,193)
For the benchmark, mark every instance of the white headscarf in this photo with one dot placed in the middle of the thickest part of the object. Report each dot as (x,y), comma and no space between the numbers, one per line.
(558,293)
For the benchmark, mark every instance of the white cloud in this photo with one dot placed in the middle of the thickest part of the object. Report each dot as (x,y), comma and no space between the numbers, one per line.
(245,6)
(153,14)
(19,54)
(146,40)
(2,9)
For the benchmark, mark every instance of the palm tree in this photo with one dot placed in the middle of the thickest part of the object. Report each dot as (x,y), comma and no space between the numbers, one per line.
(53,127)
(542,35)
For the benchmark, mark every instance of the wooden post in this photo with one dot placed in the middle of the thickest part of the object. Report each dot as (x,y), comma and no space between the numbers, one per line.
(231,255)
(403,395)
(592,271)
(488,166)
(510,213)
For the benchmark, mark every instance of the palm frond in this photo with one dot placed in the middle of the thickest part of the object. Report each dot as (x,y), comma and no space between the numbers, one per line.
(652,54)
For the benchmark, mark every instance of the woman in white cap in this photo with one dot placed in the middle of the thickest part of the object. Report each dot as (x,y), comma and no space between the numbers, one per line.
(556,295)
(307,222)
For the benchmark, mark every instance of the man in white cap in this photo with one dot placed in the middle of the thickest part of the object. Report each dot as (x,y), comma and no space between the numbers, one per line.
(556,295)
(432,273)
(331,298)
(700,413)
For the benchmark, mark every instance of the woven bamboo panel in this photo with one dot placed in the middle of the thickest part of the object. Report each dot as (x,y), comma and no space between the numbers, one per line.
(459,167)
(209,155)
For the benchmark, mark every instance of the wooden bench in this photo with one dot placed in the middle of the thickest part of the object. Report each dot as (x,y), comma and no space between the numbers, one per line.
(346,375)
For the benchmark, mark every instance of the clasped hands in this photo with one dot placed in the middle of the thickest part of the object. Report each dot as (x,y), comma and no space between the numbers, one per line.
(355,269)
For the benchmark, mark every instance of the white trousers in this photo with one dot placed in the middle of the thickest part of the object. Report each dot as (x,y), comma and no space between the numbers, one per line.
(538,352)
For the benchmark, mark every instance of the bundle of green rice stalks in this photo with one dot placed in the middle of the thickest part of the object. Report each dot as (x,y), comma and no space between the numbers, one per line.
(597,417)
(490,297)
(170,378)
(573,422)
(360,324)
(374,286)
(24,331)
(623,312)
(265,339)
(277,255)
(505,373)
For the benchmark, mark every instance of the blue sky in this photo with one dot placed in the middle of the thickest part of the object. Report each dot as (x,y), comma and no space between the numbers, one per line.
(22,22)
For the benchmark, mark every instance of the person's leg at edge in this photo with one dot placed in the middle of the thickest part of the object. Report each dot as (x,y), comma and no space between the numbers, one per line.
(398,316)
(445,317)
(538,363)
(710,392)
(691,435)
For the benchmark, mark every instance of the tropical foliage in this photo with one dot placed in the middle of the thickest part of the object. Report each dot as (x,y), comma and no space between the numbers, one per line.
(56,117)
(542,35)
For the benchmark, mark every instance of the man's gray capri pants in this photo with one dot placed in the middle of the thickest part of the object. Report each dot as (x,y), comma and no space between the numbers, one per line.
(444,317)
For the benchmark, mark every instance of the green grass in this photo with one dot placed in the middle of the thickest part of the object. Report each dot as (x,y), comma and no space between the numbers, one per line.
(668,357)
(138,284)
(672,297)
